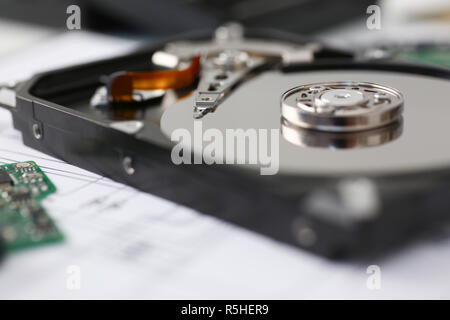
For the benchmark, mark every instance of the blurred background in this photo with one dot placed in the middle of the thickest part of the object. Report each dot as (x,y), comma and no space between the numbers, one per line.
(337,21)
(111,27)
(163,17)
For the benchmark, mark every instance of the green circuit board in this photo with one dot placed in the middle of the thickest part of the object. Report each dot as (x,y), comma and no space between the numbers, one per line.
(24,223)
(436,56)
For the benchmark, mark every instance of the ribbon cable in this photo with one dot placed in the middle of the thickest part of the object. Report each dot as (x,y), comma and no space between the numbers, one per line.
(122,86)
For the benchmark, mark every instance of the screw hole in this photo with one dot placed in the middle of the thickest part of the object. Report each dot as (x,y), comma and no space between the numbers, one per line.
(214,86)
(128,166)
(221,76)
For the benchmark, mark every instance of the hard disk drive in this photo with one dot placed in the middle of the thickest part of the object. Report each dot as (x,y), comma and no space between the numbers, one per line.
(321,149)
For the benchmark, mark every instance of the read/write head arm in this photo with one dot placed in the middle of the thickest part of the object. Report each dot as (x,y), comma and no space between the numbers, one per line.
(230,59)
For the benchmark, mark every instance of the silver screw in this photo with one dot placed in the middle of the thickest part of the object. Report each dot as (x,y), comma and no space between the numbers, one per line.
(37,132)
(316,89)
(127,164)
(380,96)
(229,32)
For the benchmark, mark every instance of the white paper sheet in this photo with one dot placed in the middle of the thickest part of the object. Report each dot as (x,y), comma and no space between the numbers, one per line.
(122,243)
(402,22)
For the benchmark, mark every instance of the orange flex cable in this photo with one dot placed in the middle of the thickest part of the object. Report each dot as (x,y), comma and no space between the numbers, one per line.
(122,86)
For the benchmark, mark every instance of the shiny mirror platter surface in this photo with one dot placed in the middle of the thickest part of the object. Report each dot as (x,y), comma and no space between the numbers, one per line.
(340,140)
(423,145)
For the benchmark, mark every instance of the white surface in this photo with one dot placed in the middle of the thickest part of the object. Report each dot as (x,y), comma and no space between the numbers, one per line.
(402,22)
(60,50)
(133,245)
(16,36)
(414,9)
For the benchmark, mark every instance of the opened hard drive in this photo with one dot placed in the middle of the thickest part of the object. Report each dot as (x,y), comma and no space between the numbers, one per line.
(332,151)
